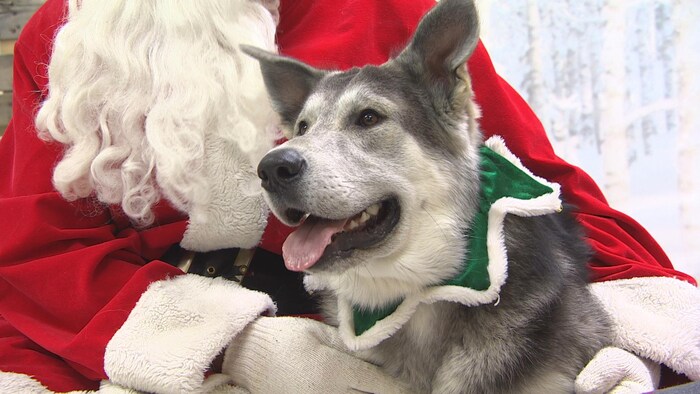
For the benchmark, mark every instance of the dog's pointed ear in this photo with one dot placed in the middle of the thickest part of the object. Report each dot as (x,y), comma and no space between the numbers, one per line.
(288,82)
(444,40)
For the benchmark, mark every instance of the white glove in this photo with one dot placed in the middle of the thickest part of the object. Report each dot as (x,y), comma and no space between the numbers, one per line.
(296,355)
(617,371)
(214,384)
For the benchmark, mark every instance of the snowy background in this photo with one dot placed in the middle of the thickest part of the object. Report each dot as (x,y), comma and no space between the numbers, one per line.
(615,83)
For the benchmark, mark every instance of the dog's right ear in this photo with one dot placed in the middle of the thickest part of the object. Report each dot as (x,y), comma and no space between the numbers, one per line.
(288,81)
(442,43)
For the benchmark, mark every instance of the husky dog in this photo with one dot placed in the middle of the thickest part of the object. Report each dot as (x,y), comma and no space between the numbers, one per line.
(382,176)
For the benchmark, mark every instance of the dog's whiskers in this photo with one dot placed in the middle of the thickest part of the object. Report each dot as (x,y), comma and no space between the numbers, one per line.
(444,236)
(371,276)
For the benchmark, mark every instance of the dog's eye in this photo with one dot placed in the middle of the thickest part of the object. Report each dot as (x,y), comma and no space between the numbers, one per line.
(368,117)
(302,127)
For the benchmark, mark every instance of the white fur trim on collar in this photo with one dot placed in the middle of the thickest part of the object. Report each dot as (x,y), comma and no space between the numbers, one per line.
(176,329)
(497,268)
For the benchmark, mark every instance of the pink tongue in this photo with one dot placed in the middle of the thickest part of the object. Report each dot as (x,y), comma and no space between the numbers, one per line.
(305,245)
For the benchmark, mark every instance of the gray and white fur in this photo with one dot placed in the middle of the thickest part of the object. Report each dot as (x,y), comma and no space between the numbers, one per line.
(403,137)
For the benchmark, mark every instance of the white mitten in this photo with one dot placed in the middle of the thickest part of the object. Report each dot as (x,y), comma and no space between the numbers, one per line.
(617,371)
(296,355)
(214,384)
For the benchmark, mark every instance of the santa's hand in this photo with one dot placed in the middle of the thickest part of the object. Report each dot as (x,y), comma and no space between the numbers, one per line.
(614,370)
(296,355)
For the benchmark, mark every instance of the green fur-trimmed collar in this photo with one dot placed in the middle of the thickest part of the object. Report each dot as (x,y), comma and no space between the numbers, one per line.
(507,187)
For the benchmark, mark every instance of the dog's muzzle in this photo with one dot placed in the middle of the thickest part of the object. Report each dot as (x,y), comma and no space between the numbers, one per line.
(280,169)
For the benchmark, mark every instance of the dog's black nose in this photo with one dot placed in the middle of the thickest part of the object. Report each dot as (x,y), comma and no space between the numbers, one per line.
(280,168)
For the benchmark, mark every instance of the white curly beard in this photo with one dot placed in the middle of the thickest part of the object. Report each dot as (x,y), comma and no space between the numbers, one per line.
(152,99)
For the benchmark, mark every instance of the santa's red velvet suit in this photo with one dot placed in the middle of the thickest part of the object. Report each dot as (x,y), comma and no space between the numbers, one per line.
(71,273)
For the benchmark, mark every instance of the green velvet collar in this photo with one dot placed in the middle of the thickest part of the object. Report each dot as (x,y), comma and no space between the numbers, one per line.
(500,178)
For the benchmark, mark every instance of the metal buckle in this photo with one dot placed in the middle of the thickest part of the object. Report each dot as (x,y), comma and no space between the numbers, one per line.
(186,260)
(242,263)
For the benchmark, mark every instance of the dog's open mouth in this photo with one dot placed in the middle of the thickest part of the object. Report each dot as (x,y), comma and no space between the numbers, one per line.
(316,236)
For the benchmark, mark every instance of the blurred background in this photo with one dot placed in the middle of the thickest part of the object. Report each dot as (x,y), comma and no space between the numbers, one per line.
(616,85)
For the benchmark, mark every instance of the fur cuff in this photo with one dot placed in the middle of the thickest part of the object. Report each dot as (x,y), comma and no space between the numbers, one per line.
(175,331)
(656,318)
(11,382)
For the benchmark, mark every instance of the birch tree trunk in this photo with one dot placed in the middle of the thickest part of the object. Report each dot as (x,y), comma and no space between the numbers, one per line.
(686,15)
(613,128)
(535,85)
(484,8)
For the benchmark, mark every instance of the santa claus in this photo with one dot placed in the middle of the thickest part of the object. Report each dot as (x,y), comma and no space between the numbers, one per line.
(127,176)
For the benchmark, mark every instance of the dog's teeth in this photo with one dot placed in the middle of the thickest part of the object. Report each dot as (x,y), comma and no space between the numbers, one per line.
(364,217)
(373,210)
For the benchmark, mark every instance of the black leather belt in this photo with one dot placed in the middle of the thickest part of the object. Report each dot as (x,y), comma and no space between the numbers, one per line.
(255,269)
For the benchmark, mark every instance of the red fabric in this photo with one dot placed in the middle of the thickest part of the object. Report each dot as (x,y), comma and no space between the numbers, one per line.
(71,272)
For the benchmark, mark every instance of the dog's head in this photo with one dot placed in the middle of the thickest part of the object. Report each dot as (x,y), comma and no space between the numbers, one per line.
(380,171)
